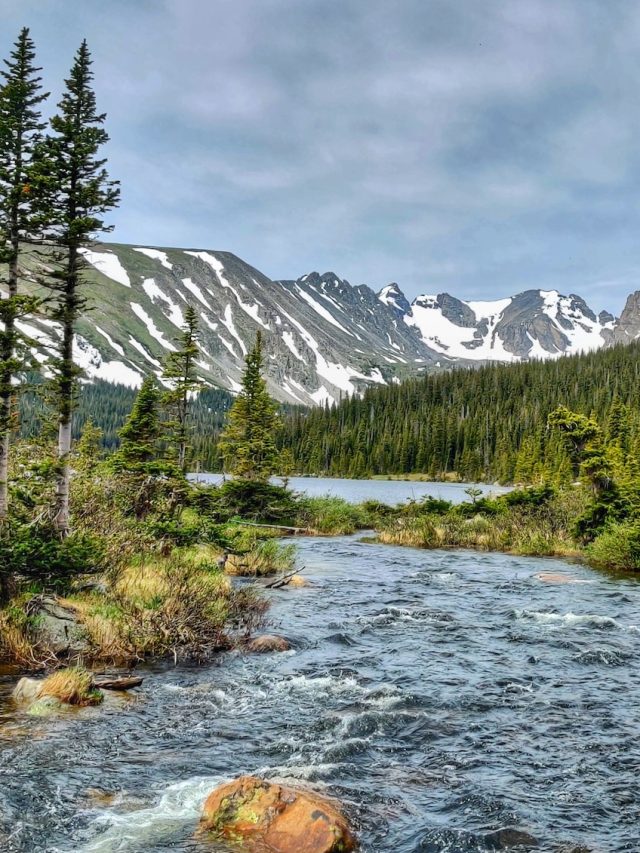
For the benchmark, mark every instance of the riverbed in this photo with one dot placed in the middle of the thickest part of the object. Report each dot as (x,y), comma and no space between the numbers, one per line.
(454,701)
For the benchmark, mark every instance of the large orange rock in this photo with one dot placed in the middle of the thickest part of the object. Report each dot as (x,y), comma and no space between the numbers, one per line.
(263,815)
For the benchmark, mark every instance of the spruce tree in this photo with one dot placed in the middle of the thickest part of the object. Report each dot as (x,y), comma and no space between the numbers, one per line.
(138,459)
(79,193)
(248,442)
(181,376)
(20,128)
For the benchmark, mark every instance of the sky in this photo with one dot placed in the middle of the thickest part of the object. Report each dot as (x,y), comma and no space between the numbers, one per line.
(478,147)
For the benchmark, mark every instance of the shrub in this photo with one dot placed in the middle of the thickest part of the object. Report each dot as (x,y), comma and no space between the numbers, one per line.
(253,501)
(617,547)
(332,515)
(37,553)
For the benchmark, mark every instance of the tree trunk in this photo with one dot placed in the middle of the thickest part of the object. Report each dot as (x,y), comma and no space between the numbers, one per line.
(4,462)
(8,350)
(65,405)
(64,477)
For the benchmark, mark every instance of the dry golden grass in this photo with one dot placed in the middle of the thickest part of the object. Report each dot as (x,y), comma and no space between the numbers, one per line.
(73,686)
(14,644)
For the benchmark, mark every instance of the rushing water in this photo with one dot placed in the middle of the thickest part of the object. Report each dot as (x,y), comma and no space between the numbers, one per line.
(445,697)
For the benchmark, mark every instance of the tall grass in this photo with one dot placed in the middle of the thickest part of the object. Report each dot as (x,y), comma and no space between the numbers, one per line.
(332,515)
(542,530)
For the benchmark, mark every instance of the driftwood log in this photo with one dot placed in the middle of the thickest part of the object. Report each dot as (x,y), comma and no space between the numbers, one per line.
(298,530)
(117,683)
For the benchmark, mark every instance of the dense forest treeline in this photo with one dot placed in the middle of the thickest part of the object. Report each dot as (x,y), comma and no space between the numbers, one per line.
(107,406)
(488,423)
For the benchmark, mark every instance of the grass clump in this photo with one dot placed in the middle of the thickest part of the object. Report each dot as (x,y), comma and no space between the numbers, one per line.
(530,522)
(267,558)
(73,686)
(332,515)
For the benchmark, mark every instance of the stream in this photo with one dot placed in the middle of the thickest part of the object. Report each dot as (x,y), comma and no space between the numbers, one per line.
(453,701)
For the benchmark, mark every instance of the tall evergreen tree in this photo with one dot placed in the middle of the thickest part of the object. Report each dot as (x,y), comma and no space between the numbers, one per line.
(181,376)
(20,128)
(138,457)
(141,432)
(79,194)
(248,442)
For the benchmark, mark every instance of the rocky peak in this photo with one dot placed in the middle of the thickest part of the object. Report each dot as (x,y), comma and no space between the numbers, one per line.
(392,296)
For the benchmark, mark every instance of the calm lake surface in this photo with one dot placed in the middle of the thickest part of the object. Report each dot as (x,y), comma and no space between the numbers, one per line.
(453,700)
(387,491)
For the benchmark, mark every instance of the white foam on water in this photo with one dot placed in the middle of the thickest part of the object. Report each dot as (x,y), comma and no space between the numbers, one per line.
(567,619)
(133,832)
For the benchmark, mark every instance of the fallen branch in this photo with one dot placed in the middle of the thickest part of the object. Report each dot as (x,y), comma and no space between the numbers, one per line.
(283,580)
(274,526)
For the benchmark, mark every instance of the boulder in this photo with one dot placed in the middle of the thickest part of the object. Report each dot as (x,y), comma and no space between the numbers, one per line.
(263,815)
(58,627)
(554,577)
(298,580)
(503,839)
(269,643)
(26,691)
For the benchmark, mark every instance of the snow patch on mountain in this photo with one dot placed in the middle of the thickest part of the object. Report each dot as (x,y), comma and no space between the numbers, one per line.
(153,330)
(108,264)
(156,255)
(192,287)
(174,314)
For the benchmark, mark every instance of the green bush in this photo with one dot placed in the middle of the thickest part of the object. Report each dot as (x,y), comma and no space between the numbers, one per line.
(253,501)
(617,547)
(38,554)
(333,515)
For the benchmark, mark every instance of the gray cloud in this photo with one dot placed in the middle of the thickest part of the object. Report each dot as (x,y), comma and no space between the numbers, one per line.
(445,144)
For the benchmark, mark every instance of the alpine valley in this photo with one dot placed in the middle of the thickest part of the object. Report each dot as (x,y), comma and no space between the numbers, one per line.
(323,337)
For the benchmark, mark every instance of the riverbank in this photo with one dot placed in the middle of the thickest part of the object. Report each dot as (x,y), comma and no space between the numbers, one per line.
(535,522)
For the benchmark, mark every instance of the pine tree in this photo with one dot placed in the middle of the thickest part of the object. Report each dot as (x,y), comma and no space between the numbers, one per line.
(20,128)
(88,450)
(248,442)
(139,437)
(138,459)
(79,193)
(181,376)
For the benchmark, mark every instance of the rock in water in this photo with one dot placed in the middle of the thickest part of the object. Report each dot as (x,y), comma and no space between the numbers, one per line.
(269,643)
(26,691)
(263,815)
(298,580)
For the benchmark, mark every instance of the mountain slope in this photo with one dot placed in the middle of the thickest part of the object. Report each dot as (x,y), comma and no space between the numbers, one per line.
(323,338)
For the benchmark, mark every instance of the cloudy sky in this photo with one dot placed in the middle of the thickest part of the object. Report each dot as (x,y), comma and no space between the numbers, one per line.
(475,146)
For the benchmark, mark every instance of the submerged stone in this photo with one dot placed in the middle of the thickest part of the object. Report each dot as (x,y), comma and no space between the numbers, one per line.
(259,815)
(298,580)
(46,707)
(269,643)
(26,691)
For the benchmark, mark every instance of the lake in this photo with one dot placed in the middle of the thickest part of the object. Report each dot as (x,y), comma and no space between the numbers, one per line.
(387,491)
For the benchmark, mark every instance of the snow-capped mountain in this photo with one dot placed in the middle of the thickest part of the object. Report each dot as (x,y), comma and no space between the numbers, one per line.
(323,337)
(532,324)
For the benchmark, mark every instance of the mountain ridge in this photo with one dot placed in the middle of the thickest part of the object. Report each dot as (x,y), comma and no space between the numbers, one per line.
(323,337)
